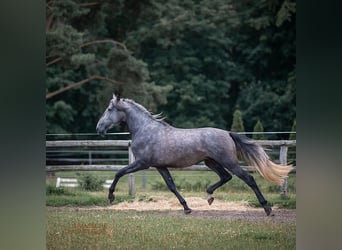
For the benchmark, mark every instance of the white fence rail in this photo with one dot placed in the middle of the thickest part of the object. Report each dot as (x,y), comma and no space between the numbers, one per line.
(66,182)
(283,144)
(73,182)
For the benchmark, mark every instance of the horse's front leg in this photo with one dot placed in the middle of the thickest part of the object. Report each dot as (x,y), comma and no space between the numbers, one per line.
(133,167)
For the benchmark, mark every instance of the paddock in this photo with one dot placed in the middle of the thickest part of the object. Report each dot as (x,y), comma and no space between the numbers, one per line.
(152,220)
(105,228)
(121,153)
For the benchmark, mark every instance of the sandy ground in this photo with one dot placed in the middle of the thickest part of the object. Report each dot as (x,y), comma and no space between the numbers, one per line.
(200,208)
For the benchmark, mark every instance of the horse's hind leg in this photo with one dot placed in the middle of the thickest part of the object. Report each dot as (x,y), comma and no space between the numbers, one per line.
(222,173)
(249,180)
(164,172)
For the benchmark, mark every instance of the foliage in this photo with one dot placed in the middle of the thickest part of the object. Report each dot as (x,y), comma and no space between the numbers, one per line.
(269,55)
(258,128)
(237,125)
(213,60)
(90,182)
(80,52)
(291,154)
(79,198)
(193,60)
(52,190)
(293,129)
(189,184)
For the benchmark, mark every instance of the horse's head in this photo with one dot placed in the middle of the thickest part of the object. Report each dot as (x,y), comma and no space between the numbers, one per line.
(113,114)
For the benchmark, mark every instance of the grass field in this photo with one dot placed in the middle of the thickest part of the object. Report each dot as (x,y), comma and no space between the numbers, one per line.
(158,230)
(76,228)
(189,183)
(184,180)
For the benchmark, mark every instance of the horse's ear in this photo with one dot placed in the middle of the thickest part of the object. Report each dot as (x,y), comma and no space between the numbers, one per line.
(117,96)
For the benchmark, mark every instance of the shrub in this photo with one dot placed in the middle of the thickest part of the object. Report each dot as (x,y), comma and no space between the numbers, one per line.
(293,129)
(90,182)
(258,128)
(52,190)
(237,124)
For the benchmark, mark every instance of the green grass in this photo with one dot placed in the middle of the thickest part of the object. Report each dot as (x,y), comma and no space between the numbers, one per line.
(108,229)
(76,197)
(189,184)
(105,229)
(196,181)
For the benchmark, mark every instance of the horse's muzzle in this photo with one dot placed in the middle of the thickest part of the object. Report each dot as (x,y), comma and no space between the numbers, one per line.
(102,134)
(100,131)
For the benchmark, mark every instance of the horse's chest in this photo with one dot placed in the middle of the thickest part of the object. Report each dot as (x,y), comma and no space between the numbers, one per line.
(142,149)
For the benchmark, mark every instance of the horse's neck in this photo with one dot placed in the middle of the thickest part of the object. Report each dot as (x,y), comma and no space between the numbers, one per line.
(137,122)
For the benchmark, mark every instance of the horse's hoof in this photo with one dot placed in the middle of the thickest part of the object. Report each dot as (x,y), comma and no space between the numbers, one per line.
(187,211)
(268,211)
(210,200)
(111,198)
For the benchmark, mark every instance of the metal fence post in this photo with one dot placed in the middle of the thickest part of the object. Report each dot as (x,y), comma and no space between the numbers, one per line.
(131,176)
(283,161)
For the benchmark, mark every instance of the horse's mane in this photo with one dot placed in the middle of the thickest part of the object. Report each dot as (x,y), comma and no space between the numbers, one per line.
(157,117)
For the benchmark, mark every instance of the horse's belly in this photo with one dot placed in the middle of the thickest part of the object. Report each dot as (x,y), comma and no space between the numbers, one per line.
(179,158)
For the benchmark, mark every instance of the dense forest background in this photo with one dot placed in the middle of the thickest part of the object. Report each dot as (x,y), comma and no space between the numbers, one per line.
(198,62)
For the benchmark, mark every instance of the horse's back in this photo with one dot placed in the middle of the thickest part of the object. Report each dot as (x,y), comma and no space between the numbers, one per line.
(184,147)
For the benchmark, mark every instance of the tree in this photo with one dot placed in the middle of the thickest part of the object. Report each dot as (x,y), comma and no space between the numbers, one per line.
(258,129)
(186,45)
(266,48)
(85,66)
(237,125)
(292,150)
(193,60)
(215,54)
(293,129)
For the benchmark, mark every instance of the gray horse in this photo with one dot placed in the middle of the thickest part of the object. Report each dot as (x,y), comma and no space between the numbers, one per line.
(156,143)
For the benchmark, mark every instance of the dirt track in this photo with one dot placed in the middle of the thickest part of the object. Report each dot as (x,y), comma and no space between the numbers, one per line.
(200,208)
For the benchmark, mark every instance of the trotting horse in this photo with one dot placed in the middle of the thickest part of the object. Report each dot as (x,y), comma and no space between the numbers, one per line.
(156,143)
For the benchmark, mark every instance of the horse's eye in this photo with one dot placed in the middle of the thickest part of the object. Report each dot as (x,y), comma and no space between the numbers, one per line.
(110,109)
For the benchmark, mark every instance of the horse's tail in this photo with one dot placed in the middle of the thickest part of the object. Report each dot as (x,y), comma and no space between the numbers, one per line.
(255,155)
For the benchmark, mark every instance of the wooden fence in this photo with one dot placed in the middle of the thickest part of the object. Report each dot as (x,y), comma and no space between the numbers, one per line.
(282,144)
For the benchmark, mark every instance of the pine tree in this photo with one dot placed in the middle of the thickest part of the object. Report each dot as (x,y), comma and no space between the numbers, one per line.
(291,153)
(293,129)
(86,63)
(237,124)
(184,58)
(258,128)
